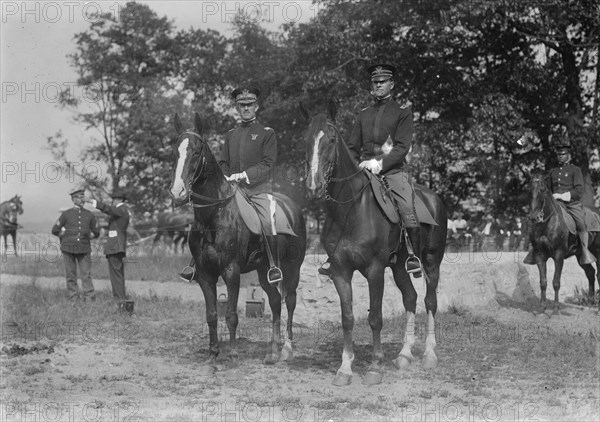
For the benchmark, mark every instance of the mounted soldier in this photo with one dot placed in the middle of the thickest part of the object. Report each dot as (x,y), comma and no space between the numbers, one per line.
(380,141)
(566,184)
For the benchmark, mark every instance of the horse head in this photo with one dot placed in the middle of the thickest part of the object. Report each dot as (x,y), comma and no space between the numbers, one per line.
(17,204)
(196,164)
(322,139)
(539,194)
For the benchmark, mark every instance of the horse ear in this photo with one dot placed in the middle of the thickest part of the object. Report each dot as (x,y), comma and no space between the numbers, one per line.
(178,125)
(197,123)
(303,111)
(332,110)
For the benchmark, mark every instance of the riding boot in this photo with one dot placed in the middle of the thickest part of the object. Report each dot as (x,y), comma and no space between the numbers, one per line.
(586,257)
(188,272)
(529,258)
(274,274)
(413,263)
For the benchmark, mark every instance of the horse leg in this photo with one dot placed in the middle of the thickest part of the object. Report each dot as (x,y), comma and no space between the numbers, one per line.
(231,277)
(291,284)
(14,238)
(342,279)
(409,299)
(543,283)
(558,266)
(433,272)
(209,289)
(374,374)
(275,304)
(590,274)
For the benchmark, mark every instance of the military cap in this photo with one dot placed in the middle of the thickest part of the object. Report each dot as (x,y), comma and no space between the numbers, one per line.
(77,192)
(562,146)
(381,72)
(119,193)
(246,94)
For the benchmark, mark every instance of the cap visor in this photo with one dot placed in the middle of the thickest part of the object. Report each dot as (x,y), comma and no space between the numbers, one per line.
(380,78)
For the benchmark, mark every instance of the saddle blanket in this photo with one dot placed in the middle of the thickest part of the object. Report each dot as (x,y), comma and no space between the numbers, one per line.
(255,220)
(388,208)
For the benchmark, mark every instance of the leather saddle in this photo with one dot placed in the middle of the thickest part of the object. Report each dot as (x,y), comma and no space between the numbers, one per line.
(590,218)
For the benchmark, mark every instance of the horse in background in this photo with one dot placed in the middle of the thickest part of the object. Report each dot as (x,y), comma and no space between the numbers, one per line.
(222,245)
(358,236)
(9,210)
(174,228)
(550,238)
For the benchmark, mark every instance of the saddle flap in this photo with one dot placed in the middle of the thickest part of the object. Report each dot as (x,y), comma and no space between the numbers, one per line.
(591,219)
(383,199)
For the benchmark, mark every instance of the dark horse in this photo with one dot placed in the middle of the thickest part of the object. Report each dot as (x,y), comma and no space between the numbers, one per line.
(357,236)
(551,238)
(8,220)
(223,246)
(173,228)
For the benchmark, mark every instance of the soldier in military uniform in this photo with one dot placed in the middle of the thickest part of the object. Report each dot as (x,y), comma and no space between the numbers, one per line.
(116,242)
(380,141)
(566,183)
(75,228)
(248,157)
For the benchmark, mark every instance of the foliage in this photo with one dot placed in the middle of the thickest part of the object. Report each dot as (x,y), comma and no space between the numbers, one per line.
(478,75)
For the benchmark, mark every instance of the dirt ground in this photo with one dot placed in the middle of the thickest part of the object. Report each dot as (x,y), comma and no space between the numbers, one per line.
(484,373)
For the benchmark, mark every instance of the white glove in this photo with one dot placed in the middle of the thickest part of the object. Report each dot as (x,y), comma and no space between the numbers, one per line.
(237,177)
(373,165)
(563,196)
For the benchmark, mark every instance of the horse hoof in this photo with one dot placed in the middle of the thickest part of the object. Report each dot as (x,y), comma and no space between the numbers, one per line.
(372,378)
(342,380)
(402,362)
(270,359)
(287,353)
(430,361)
(207,370)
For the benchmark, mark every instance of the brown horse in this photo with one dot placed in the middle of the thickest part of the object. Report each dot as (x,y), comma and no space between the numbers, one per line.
(358,236)
(551,238)
(223,246)
(9,210)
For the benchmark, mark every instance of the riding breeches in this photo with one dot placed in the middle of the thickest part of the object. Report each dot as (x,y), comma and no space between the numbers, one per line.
(575,210)
(404,193)
(266,207)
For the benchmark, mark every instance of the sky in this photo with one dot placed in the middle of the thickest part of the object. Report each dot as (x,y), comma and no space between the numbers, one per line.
(35,39)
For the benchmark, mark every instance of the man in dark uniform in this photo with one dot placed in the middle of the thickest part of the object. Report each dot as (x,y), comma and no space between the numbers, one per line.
(248,157)
(566,183)
(75,227)
(116,241)
(380,141)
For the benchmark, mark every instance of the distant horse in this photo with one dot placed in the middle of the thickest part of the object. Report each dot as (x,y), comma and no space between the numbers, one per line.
(222,244)
(550,238)
(358,236)
(9,210)
(173,228)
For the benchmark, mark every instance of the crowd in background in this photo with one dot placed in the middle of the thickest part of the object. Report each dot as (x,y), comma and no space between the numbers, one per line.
(482,231)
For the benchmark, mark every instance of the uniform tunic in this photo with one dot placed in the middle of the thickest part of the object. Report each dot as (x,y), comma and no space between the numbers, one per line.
(80,226)
(568,178)
(251,147)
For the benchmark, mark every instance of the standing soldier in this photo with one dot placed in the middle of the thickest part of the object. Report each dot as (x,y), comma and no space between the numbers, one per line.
(116,241)
(75,227)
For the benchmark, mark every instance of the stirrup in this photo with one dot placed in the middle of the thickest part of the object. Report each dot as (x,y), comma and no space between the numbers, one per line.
(325,269)
(183,275)
(418,271)
(274,275)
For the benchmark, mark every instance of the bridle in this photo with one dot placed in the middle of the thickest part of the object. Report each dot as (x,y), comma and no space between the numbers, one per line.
(199,167)
(328,176)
